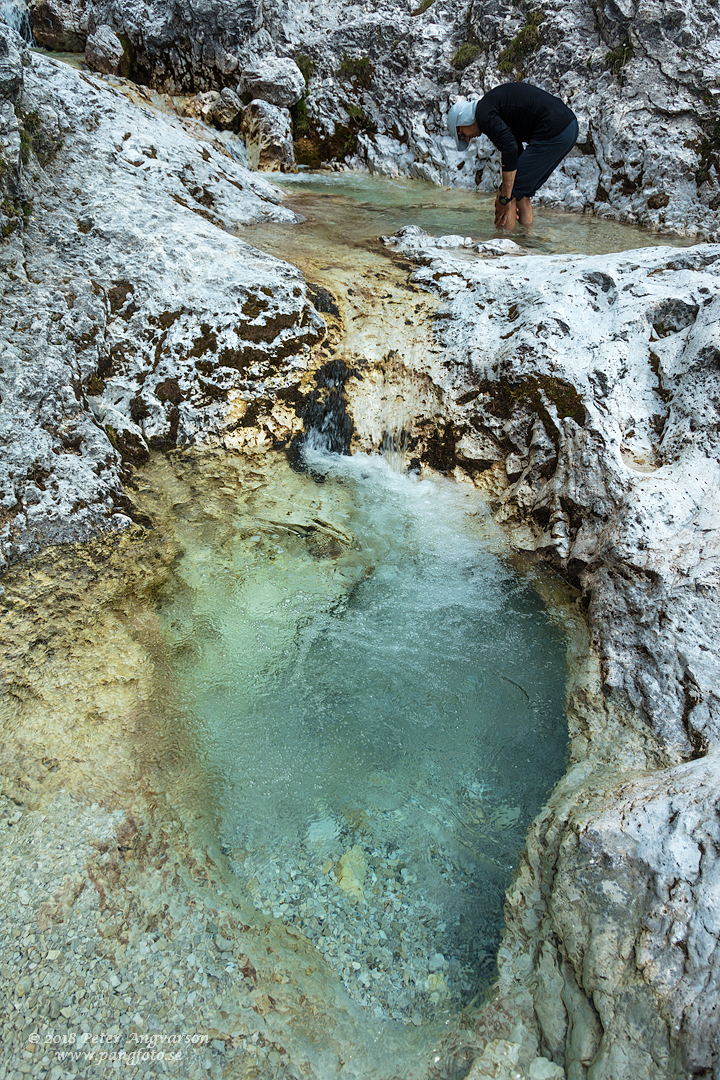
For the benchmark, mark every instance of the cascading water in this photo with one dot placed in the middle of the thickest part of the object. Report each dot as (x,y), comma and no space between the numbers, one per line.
(15,13)
(376,697)
(324,412)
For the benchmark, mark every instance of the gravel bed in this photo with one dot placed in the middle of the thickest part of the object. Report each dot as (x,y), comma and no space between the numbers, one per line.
(109,966)
(398,951)
(125,953)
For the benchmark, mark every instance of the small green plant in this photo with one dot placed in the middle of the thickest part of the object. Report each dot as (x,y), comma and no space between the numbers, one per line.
(95,386)
(708,152)
(422,6)
(306,65)
(32,139)
(617,58)
(26,144)
(299,117)
(468,51)
(524,44)
(32,122)
(357,69)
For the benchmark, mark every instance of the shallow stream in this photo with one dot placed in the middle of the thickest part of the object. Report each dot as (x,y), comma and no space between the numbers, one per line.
(375,694)
(345,210)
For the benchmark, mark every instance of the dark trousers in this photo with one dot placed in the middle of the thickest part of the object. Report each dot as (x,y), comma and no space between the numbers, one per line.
(541,158)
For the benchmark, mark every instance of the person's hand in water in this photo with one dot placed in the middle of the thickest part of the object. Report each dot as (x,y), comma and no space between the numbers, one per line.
(505,216)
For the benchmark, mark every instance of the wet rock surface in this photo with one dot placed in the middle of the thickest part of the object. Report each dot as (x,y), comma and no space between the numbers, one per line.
(15,191)
(579,372)
(62,27)
(581,395)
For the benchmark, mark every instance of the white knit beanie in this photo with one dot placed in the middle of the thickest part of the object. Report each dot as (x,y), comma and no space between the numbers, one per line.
(462,114)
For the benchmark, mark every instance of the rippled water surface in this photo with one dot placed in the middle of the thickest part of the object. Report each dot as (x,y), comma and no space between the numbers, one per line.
(346,209)
(376,696)
(379,699)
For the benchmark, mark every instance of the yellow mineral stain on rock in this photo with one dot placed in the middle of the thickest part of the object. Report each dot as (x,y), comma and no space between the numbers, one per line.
(436,983)
(351,872)
(237,406)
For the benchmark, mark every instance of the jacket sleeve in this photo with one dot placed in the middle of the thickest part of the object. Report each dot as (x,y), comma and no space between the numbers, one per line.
(502,137)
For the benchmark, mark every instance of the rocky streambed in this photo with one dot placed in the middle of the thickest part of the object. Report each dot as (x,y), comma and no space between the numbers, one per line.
(577,394)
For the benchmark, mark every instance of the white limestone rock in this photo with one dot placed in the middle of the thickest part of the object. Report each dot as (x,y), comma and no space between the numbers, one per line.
(134,321)
(222,109)
(618,352)
(104,52)
(635,910)
(277,80)
(268,137)
(227,109)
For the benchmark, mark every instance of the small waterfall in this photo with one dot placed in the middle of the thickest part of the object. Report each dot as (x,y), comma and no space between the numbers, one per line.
(328,426)
(17,16)
(395,416)
(394,449)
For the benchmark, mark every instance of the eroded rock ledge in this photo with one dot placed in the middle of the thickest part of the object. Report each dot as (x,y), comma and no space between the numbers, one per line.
(583,393)
(133,315)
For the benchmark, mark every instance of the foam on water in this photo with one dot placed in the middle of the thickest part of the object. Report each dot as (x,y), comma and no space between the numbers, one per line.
(372,682)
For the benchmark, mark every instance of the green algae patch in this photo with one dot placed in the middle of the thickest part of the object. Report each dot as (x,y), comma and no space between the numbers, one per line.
(128,444)
(536,393)
(524,44)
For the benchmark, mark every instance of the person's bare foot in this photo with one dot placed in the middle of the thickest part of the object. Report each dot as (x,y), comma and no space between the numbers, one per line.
(525,211)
